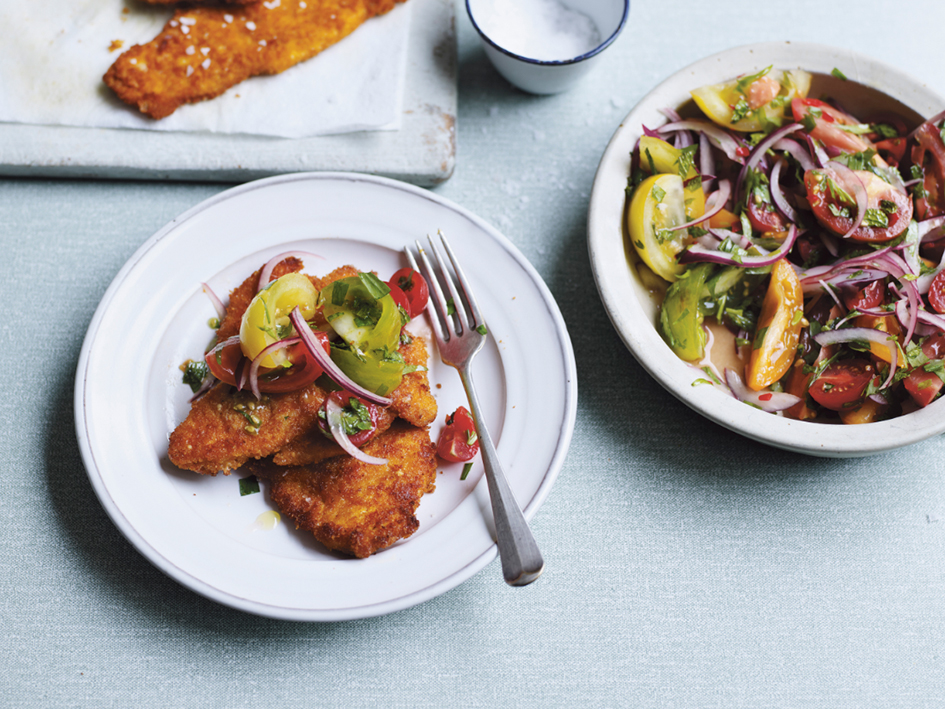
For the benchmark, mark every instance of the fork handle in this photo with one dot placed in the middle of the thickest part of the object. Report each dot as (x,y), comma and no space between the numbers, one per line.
(521,560)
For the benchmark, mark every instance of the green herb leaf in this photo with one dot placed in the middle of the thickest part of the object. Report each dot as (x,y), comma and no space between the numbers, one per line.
(249,485)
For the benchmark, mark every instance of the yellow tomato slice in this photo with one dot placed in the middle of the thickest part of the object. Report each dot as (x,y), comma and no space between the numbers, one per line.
(779,328)
(659,157)
(721,101)
(266,320)
(657,205)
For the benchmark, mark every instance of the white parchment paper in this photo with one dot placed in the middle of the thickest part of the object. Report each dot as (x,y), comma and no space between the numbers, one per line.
(53,54)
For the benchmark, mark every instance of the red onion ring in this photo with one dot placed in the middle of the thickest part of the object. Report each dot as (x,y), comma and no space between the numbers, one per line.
(758,153)
(268,350)
(333,413)
(769,401)
(780,201)
(796,150)
(215,299)
(698,253)
(860,334)
(706,161)
(725,189)
(720,138)
(266,271)
(848,178)
(315,349)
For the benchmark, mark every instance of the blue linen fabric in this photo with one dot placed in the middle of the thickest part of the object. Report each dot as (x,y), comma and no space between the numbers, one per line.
(686,566)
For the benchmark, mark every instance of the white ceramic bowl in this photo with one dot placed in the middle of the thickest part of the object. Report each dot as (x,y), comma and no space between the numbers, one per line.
(547,76)
(871,86)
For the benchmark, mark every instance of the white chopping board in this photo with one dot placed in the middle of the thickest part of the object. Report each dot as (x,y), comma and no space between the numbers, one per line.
(422,151)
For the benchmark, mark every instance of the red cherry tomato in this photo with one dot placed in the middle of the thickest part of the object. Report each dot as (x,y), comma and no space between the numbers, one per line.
(865,298)
(826,122)
(400,298)
(304,369)
(414,287)
(923,386)
(363,417)
(763,216)
(225,362)
(841,385)
(892,150)
(836,213)
(929,154)
(937,293)
(458,441)
(934,346)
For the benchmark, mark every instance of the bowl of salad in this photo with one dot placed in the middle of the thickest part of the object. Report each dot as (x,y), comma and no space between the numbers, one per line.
(767,235)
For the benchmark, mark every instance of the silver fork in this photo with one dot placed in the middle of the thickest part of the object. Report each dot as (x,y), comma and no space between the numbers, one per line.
(460,335)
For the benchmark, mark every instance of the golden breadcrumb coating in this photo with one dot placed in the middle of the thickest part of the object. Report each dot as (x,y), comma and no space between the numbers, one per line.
(202,51)
(356,508)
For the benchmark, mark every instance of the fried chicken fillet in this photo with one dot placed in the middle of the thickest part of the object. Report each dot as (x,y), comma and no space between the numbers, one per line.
(356,508)
(216,436)
(203,51)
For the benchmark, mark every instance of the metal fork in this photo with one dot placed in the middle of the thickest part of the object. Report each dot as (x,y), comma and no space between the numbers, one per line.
(460,335)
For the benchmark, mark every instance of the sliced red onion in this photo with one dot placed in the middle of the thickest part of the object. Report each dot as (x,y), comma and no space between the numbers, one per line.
(789,145)
(725,189)
(706,161)
(780,201)
(828,243)
(333,413)
(719,137)
(931,229)
(698,253)
(818,150)
(933,120)
(863,334)
(215,299)
(254,367)
(266,271)
(205,386)
(770,401)
(849,179)
(932,319)
(671,113)
(314,348)
(758,153)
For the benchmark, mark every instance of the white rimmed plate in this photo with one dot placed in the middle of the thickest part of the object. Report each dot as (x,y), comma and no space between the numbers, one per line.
(871,86)
(198,529)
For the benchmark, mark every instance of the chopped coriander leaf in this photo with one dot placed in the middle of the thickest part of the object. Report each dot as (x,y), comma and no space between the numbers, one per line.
(743,83)
(876,218)
(195,373)
(839,74)
(658,193)
(481,329)
(741,110)
(249,485)
(466,469)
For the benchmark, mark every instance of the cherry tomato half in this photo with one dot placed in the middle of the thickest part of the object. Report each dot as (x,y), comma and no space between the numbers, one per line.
(400,298)
(826,122)
(929,154)
(414,287)
(304,369)
(841,385)
(865,298)
(359,417)
(923,386)
(458,441)
(937,293)
(832,199)
(225,362)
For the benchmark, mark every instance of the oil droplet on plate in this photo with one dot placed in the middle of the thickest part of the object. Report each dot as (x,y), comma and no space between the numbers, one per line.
(267,521)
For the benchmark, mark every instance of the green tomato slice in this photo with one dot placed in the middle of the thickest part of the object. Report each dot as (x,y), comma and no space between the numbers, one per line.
(657,205)
(266,319)
(363,313)
(372,370)
(681,318)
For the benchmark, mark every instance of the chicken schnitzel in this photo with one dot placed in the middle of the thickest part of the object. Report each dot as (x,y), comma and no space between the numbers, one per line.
(203,51)
(354,507)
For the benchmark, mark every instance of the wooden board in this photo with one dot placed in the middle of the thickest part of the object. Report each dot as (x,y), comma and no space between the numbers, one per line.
(422,152)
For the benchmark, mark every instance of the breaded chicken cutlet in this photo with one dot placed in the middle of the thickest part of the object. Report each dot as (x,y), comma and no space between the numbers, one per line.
(203,51)
(356,508)
(350,506)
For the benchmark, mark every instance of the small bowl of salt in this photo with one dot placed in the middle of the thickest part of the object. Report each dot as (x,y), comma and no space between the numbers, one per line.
(546,46)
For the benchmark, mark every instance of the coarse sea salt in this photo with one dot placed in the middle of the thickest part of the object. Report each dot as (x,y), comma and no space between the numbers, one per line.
(546,30)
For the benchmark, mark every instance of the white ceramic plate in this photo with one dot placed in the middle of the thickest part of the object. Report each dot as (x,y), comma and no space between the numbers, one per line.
(198,529)
(871,86)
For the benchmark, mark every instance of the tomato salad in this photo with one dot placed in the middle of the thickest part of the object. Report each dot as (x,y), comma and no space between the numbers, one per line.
(808,241)
(281,347)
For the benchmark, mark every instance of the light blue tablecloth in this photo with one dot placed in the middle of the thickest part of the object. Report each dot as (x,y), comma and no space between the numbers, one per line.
(686,566)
